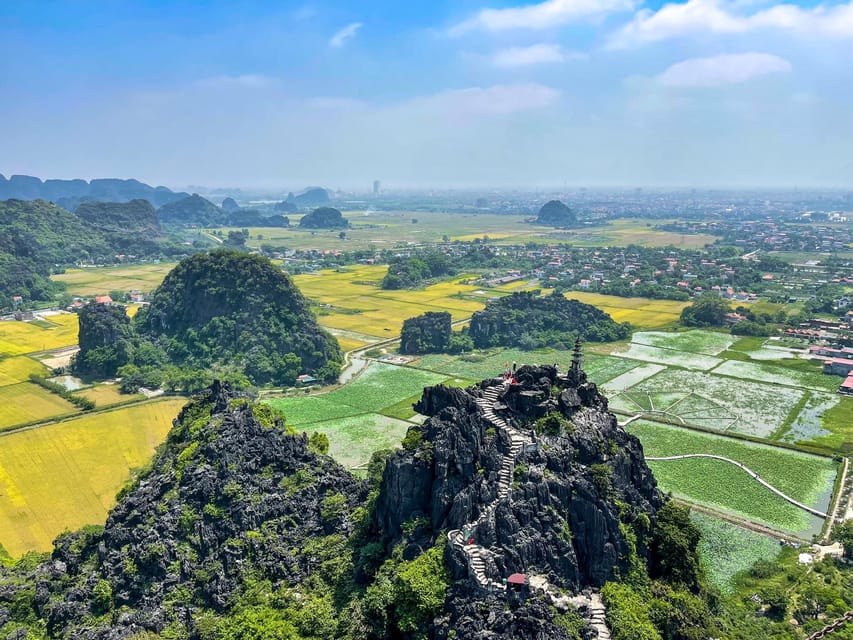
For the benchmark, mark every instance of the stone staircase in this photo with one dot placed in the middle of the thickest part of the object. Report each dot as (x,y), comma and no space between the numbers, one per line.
(475,552)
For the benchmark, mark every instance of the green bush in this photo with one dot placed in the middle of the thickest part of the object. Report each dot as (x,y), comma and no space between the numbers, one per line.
(420,589)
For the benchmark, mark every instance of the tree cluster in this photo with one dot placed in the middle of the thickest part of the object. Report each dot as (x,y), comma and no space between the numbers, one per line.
(412,271)
(527,320)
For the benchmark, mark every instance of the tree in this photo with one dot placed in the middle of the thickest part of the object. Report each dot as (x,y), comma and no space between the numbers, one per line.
(420,589)
(673,547)
(708,310)
(844,534)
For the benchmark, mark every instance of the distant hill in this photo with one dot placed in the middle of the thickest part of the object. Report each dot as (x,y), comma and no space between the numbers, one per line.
(70,193)
(35,237)
(229,205)
(254,218)
(311,197)
(285,207)
(191,210)
(120,217)
(324,218)
(556,214)
(229,309)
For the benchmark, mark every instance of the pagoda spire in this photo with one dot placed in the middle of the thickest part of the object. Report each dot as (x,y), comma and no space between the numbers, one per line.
(576,372)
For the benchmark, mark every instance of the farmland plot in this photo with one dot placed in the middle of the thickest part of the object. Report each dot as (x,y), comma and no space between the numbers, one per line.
(708,342)
(806,425)
(682,359)
(379,386)
(488,364)
(15,370)
(65,475)
(727,549)
(777,375)
(760,408)
(26,402)
(806,478)
(632,377)
(16,338)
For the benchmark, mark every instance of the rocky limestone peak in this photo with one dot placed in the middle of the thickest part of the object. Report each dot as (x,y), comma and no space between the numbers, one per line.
(232,494)
(533,473)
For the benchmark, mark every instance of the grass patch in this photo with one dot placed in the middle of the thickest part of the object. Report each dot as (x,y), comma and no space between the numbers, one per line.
(65,475)
(838,421)
(352,440)
(100,281)
(104,395)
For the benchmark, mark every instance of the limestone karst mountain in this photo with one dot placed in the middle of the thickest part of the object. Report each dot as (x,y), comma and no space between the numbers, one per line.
(501,517)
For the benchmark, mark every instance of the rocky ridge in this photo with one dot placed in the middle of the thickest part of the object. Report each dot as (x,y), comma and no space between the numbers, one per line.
(531,476)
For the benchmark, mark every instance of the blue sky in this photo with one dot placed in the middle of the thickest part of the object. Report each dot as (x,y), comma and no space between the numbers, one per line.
(438,93)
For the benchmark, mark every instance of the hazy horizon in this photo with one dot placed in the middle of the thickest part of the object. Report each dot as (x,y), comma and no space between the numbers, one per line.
(603,94)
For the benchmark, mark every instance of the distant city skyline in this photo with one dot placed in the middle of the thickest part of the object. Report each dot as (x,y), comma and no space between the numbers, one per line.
(446,93)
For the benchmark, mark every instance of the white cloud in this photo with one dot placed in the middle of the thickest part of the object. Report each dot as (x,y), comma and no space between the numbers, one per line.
(543,15)
(715,71)
(718,17)
(496,100)
(515,57)
(340,38)
(248,81)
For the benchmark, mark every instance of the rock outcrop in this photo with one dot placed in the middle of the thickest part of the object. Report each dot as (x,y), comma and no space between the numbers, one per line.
(556,214)
(577,480)
(324,218)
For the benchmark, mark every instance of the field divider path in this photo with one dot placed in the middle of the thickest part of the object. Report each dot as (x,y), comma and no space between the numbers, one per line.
(749,471)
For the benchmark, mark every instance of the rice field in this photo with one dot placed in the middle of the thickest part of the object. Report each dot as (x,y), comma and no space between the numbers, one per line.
(718,484)
(102,280)
(65,475)
(379,386)
(104,395)
(388,229)
(727,549)
(776,375)
(684,359)
(710,343)
(643,313)
(352,301)
(632,377)
(760,409)
(26,402)
(488,364)
(18,369)
(57,331)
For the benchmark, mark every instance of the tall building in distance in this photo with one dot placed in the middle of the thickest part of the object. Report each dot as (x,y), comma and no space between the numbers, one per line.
(377,187)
